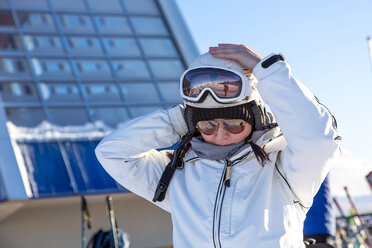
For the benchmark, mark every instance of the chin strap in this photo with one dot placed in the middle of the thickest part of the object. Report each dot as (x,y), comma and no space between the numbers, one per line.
(176,162)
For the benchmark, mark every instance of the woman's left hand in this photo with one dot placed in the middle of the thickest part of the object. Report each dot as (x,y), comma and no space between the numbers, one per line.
(242,54)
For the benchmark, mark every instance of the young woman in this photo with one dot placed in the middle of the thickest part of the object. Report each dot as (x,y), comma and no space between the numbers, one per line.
(239,180)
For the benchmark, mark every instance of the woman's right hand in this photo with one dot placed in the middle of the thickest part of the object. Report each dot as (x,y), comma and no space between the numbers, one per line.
(242,54)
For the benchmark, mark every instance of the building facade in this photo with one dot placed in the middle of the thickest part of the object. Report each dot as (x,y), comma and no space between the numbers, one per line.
(70,72)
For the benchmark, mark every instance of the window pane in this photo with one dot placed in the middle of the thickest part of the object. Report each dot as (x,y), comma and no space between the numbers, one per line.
(166,68)
(138,111)
(139,92)
(35,21)
(6,19)
(18,92)
(106,5)
(4,3)
(30,4)
(14,65)
(10,42)
(59,92)
(51,67)
(121,47)
(76,23)
(149,25)
(113,24)
(158,47)
(110,116)
(25,117)
(170,91)
(83,45)
(101,92)
(68,4)
(43,44)
(141,6)
(92,68)
(68,116)
(131,69)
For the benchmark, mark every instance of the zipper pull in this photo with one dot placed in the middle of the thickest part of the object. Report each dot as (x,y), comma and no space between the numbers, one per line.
(228,174)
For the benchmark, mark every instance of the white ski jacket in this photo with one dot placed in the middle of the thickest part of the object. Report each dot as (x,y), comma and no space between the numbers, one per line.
(264,206)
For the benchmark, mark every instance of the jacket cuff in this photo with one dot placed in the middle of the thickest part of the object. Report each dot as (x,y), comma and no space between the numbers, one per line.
(177,119)
(260,72)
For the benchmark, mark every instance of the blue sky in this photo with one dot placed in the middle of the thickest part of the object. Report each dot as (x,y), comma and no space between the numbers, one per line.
(323,41)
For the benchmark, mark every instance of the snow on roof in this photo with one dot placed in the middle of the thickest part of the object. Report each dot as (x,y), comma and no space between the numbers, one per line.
(46,131)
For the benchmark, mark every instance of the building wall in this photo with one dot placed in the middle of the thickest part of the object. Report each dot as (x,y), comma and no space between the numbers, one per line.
(83,62)
(56,223)
(72,63)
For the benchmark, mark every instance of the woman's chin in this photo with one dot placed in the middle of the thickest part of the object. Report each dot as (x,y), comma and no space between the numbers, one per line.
(224,143)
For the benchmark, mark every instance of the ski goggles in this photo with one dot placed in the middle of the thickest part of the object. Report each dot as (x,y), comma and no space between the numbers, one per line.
(225,85)
(233,126)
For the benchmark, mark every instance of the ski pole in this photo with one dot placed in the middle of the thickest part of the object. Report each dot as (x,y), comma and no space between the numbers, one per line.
(369,179)
(85,220)
(342,231)
(112,221)
(368,240)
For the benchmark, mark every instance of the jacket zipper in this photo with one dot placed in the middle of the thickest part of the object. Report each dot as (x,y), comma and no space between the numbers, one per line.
(224,182)
(218,206)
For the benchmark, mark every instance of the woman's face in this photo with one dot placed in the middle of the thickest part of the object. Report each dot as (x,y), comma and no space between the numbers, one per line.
(223,138)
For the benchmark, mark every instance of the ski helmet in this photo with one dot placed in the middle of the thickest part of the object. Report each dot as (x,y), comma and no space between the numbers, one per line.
(206,100)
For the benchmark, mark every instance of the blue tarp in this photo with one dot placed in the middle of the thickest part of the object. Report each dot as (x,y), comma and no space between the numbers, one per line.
(65,168)
(2,190)
(321,218)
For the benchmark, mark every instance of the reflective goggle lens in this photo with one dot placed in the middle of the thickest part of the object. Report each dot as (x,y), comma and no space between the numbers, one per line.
(234,126)
(225,84)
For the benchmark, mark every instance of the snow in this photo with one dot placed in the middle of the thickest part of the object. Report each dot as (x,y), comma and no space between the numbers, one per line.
(46,131)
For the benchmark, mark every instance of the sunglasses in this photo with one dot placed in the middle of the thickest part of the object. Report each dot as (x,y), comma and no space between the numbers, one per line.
(225,85)
(233,126)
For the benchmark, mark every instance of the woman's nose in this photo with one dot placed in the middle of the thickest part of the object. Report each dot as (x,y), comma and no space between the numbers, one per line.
(220,130)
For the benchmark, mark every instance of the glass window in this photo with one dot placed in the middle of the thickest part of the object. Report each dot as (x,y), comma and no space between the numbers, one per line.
(93,68)
(149,25)
(138,111)
(121,46)
(43,44)
(113,24)
(68,4)
(107,5)
(30,4)
(110,116)
(76,23)
(68,116)
(166,68)
(141,6)
(51,67)
(14,65)
(10,42)
(97,92)
(170,91)
(35,21)
(131,69)
(6,19)
(4,3)
(139,92)
(59,92)
(158,47)
(83,45)
(25,117)
(18,92)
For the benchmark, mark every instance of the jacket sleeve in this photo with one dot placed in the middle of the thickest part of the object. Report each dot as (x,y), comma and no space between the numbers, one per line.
(129,154)
(307,125)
